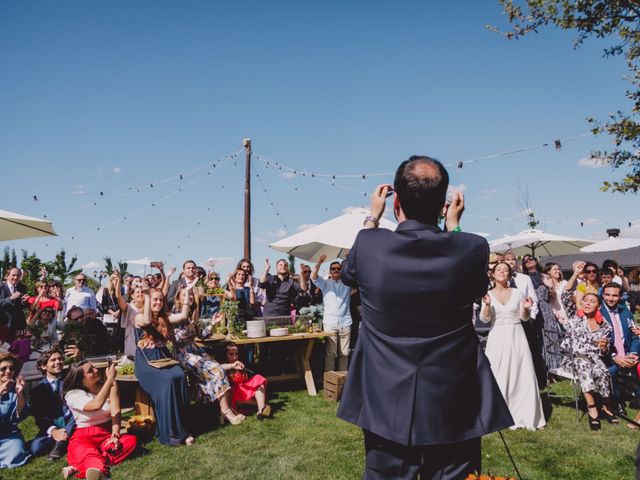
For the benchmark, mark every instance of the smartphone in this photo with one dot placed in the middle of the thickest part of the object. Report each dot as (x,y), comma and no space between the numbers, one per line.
(389,191)
(155,264)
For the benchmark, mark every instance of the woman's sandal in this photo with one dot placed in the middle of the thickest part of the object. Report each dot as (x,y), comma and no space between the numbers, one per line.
(609,417)
(594,423)
(233,418)
(265,412)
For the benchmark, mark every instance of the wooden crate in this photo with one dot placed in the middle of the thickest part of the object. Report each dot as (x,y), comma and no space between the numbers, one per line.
(333,385)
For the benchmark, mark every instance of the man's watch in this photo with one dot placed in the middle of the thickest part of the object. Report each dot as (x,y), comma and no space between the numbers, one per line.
(372,219)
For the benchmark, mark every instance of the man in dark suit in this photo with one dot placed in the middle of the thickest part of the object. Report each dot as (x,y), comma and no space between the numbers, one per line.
(419,384)
(12,307)
(624,345)
(53,418)
(189,278)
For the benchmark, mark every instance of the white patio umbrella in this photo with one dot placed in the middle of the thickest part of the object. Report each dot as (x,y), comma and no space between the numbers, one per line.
(140,261)
(333,238)
(214,262)
(14,226)
(538,241)
(611,244)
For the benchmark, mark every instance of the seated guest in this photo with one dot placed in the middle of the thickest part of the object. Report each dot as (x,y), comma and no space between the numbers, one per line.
(96,443)
(167,387)
(53,418)
(90,333)
(588,341)
(624,345)
(21,346)
(281,290)
(244,388)
(13,451)
(212,380)
(44,321)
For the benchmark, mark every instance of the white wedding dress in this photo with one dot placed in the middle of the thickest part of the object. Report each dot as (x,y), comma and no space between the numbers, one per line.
(511,363)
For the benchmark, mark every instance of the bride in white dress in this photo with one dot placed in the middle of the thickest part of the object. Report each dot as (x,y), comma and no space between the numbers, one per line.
(508,350)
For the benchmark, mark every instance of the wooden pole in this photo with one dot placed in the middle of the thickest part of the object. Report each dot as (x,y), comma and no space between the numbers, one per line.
(247,198)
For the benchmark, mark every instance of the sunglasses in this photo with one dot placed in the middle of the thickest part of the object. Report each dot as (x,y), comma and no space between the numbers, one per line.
(335,269)
(81,279)
(590,271)
(306,271)
(217,279)
(10,368)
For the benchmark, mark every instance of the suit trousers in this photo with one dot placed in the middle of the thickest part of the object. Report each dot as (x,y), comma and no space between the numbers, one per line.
(391,461)
(336,346)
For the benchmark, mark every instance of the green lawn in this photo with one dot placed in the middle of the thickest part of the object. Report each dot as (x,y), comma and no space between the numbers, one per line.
(305,440)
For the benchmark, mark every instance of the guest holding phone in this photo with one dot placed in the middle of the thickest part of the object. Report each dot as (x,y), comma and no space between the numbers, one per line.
(96,443)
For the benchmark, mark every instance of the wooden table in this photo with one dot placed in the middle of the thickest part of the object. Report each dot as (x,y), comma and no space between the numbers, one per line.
(302,354)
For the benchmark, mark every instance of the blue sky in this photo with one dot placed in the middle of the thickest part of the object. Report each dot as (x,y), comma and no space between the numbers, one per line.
(104,96)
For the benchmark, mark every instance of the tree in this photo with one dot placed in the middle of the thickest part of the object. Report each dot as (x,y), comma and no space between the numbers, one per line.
(9,261)
(109,268)
(619,21)
(59,269)
(292,264)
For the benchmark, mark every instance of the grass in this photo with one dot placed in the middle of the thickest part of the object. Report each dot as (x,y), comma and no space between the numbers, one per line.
(305,440)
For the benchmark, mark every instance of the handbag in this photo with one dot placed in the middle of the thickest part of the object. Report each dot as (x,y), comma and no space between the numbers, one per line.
(160,362)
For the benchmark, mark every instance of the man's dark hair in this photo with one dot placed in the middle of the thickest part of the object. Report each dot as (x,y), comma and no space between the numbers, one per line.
(188,261)
(44,358)
(335,263)
(73,309)
(421,196)
(612,285)
(610,265)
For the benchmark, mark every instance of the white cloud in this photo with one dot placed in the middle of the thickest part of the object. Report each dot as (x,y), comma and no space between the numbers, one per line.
(78,190)
(305,226)
(279,233)
(593,162)
(288,175)
(460,188)
(116,170)
(482,234)
(91,265)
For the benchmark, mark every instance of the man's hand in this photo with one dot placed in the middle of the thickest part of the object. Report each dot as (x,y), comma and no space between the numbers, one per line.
(378,200)
(20,385)
(72,351)
(15,295)
(623,362)
(454,211)
(322,259)
(267,265)
(59,435)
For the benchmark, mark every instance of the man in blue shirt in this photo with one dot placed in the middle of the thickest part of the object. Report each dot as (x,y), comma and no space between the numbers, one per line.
(337,317)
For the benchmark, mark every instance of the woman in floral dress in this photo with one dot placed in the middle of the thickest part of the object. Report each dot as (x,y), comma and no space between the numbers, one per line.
(212,380)
(588,341)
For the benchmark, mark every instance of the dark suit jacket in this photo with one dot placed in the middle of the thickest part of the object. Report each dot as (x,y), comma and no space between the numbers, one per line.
(173,289)
(418,375)
(45,406)
(631,341)
(12,311)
